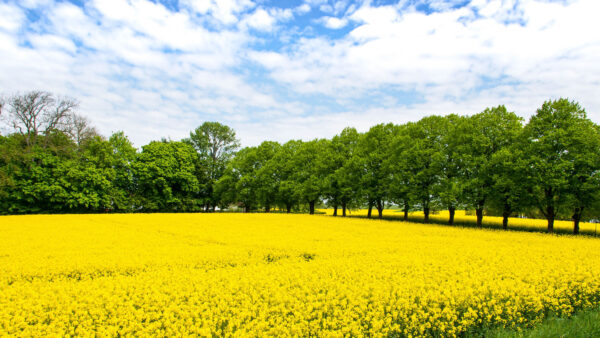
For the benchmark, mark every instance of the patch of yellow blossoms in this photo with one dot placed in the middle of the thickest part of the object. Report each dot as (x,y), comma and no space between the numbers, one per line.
(284,275)
(461,217)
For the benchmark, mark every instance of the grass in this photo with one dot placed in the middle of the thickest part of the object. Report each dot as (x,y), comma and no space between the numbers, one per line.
(584,324)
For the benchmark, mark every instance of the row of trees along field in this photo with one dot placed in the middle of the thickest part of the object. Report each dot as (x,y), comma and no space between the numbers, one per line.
(53,161)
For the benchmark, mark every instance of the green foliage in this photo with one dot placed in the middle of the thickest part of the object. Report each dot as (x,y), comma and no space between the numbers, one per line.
(164,177)
(561,146)
(373,151)
(482,136)
(215,144)
(419,149)
(487,161)
(343,170)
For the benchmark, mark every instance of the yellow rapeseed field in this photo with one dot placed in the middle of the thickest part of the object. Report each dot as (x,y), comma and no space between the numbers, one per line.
(461,217)
(282,275)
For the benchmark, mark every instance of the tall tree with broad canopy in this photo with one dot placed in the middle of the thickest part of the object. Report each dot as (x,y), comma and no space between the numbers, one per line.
(447,163)
(164,176)
(124,155)
(584,179)
(248,178)
(215,144)
(342,178)
(284,168)
(420,148)
(239,179)
(266,176)
(483,135)
(511,177)
(558,138)
(311,163)
(400,176)
(373,150)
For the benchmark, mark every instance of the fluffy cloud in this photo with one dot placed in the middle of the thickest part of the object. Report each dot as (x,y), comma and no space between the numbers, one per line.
(333,22)
(302,72)
(489,52)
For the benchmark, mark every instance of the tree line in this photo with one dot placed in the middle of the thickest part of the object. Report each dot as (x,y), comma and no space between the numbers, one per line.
(53,161)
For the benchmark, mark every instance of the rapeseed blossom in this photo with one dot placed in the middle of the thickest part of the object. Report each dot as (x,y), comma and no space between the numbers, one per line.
(462,217)
(283,275)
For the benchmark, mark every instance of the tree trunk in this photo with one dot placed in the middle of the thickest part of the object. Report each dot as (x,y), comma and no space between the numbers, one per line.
(335,210)
(550,225)
(426,215)
(550,215)
(206,206)
(288,208)
(576,219)
(451,211)
(479,213)
(380,209)
(505,213)
(311,207)
(406,207)
(344,209)
(246,208)
(550,212)
(370,210)
(267,208)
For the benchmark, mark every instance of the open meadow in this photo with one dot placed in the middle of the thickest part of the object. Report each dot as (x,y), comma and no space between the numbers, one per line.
(278,274)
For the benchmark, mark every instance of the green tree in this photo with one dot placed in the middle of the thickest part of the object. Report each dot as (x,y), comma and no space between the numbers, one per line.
(420,148)
(447,163)
(511,177)
(164,176)
(399,169)
(265,174)
(284,166)
(554,145)
(123,156)
(374,149)
(584,176)
(483,135)
(310,163)
(215,144)
(341,177)
(347,174)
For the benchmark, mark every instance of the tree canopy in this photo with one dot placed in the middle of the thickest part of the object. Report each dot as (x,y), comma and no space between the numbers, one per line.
(54,160)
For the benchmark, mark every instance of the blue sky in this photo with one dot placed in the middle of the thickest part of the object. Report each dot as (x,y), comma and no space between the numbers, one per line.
(280,70)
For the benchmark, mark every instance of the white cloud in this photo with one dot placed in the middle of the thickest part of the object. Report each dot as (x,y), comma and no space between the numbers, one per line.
(333,22)
(154,72)
(264,20)
(445,55)
(302,9)
(12,18)
(111,56)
